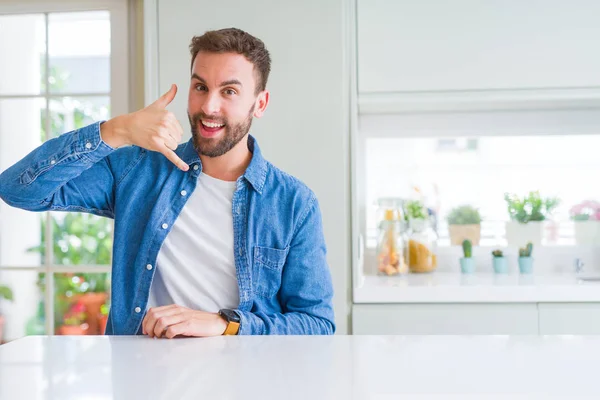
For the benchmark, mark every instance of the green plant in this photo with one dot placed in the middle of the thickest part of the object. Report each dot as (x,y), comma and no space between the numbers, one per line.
(76,315)
(104,309)
(414,209)
(6,293)
(497,253)
(531,207)
(77,239)
(526,251)
(464,215)
(467,248)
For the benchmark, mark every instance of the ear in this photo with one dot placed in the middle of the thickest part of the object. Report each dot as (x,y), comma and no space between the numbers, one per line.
(262,100)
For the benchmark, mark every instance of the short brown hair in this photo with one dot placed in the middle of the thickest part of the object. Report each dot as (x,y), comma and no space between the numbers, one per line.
(233,40)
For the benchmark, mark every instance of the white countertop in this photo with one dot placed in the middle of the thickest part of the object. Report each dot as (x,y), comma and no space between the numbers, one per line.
(451,287)
(301,367)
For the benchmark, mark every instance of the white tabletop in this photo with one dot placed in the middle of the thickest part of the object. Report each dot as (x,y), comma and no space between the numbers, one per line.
(301,367)
(453,287)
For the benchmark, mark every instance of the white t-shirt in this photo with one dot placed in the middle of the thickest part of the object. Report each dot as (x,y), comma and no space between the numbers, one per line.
(195,265)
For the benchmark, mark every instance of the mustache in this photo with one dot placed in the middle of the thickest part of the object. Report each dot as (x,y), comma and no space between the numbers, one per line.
(215,118)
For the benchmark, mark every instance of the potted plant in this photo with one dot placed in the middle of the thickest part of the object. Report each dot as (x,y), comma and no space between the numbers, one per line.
(499,262)
(586,219)
(526,217)
(103,318)
(464,222)
(467,263)
(525,260)
(6,294)
(74,321)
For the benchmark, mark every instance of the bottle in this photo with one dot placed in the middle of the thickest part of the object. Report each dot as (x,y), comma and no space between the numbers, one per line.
(391,243)
(421,246)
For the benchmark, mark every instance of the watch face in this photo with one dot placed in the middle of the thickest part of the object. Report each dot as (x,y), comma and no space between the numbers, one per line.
(230,315)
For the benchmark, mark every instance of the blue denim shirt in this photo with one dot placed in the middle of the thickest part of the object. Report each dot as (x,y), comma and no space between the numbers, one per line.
(284,280)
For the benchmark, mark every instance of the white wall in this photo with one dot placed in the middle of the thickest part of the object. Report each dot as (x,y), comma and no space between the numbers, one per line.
(305,129)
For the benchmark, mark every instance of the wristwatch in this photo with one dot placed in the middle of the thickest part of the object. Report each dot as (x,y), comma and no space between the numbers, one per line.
(233,321)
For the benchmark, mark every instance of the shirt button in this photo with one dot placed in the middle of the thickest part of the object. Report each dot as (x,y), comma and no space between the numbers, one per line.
(149,267)
(53,162)
(138,310)
(165,226)
(88,145)
(183,192)
(196,167)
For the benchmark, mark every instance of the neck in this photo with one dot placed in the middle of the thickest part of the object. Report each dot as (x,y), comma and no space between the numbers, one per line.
(230,165)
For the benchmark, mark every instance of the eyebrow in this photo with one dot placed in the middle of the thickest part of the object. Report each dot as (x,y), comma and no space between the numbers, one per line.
(224,83)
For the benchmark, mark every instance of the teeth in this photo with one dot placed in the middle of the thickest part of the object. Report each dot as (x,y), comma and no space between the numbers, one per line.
(212,124)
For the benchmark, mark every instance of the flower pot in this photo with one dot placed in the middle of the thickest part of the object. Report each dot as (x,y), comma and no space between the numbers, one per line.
(458,233)
(525,265)
(518,234)
(92,302)
(102,324)
(1,327)
(500,265)
(73,329)
(467,265)
(587,233)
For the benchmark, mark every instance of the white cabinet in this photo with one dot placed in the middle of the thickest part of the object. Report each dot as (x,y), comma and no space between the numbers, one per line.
(569,318)
(470,45)
(445,319)
(477,319)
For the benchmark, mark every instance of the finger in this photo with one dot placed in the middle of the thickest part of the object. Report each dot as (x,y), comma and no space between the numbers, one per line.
(174,158)
(152,315)
(176,130)
(177,329)
(164,100)
(164,322)
(170,142)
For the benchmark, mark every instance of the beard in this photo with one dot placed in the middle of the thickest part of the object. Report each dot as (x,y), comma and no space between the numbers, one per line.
(213,147)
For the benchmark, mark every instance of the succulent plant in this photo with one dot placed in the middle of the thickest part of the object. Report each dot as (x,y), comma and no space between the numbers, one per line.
(531,207)
(497,253)
(467,248)
(526,251)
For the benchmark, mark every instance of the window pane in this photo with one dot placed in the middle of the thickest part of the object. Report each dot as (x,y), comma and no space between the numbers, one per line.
(21,128)
(68,113)
(22,66)
(81,239)
(79,52)
(81,303)
(446,174)
(24,315)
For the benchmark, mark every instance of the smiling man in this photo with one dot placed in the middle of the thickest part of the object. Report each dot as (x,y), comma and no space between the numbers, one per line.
(210,238)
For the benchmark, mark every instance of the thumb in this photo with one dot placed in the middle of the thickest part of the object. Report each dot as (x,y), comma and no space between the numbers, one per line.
(164,100)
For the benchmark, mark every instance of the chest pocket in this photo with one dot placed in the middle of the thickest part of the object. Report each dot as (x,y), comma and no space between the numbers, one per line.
(268,267)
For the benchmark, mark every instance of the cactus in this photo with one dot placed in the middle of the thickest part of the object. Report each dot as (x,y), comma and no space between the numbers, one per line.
(497,253)
(526,251)
(467,248)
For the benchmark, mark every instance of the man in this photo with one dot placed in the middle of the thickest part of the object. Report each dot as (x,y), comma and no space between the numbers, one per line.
(210,238)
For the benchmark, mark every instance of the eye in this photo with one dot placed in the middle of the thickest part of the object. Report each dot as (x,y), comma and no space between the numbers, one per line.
(201,87)
(229,92)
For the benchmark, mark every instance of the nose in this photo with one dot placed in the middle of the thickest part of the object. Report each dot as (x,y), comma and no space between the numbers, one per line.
(212,104)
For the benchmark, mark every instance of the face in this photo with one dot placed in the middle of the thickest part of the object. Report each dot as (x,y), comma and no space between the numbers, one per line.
(222,101)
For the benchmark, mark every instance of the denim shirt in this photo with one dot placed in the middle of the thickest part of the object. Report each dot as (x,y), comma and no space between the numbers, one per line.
(280,256)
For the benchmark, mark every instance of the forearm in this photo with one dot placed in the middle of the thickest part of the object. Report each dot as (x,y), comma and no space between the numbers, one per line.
(31,182)
(293,323)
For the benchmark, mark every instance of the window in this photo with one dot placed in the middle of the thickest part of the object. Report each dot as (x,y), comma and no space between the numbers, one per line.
(452,159)
(64,67)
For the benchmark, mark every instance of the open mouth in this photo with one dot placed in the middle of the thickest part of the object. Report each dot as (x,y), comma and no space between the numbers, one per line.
(211,129)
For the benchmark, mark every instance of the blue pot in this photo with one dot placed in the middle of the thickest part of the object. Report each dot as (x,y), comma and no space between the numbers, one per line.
(526,265)
(467,265)
(500,265)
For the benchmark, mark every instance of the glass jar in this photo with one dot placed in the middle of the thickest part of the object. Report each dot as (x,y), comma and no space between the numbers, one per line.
(421,246)
(391,241)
